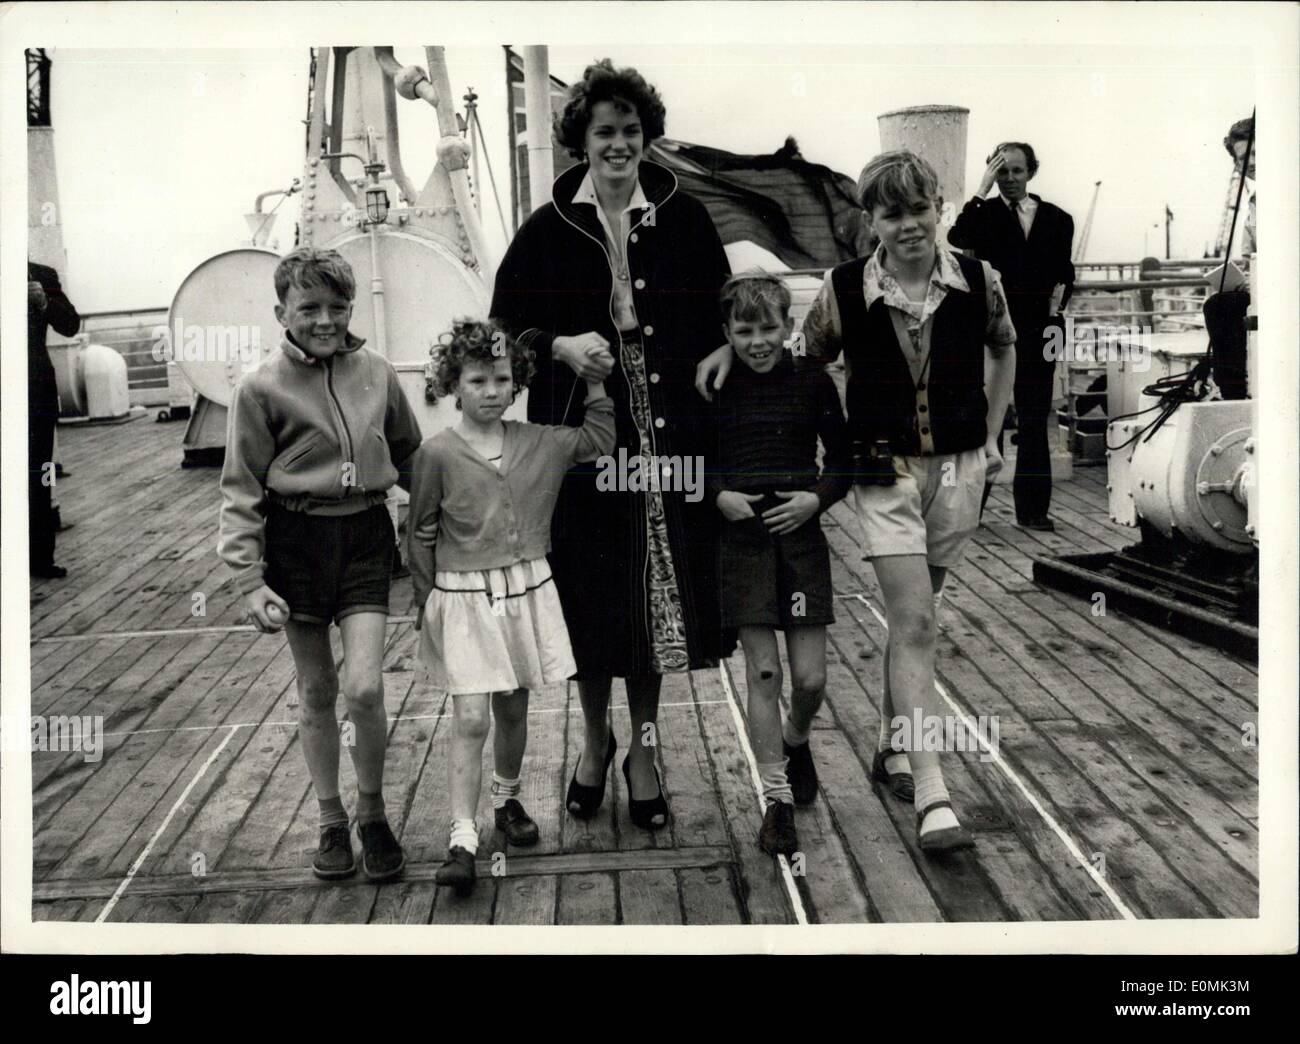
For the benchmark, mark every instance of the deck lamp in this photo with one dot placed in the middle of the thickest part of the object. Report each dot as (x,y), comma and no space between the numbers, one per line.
(376,204)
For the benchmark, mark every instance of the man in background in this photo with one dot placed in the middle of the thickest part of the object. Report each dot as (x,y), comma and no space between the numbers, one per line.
(47,306)
(1028,241)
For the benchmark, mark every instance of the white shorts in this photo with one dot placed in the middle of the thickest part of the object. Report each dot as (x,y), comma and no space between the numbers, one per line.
(932,509)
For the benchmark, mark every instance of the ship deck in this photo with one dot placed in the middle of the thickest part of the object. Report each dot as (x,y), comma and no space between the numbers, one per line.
(1121,786)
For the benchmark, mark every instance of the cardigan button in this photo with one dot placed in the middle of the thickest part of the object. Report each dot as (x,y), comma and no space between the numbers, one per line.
(654,378)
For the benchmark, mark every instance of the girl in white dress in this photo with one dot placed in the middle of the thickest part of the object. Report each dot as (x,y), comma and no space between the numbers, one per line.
(482,495)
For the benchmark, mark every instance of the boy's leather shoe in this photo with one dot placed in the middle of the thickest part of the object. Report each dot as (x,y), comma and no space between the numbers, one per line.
(801,772)
(381,855)
(334,856)
(516,824)
(777,835)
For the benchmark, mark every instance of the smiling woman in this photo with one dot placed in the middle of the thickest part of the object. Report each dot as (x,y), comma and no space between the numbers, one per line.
(618,278)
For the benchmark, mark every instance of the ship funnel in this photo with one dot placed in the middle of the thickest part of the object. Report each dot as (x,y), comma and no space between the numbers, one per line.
(938,134)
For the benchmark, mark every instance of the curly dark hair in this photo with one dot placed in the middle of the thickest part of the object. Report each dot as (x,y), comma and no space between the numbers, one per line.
(600,83)
(475,341)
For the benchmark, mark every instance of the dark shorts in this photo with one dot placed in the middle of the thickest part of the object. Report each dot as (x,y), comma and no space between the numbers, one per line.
(774,581)
(330,566)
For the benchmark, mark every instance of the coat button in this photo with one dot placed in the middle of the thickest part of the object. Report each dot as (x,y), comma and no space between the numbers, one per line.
(632,237)
(925,431)
(639,284)
(922,408)
(654,378)
(649,331)
(659,422)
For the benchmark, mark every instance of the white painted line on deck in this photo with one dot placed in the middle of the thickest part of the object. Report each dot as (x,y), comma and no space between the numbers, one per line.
(167,632)
(400,717)
(1120,906)
(743,733)
(139,861)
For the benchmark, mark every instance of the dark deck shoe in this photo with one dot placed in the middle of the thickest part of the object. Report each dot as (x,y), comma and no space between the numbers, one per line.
(517,824)
(334,856)
(381,855)
(777,835)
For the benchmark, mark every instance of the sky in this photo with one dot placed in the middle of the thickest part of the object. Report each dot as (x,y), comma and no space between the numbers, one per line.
(160,152)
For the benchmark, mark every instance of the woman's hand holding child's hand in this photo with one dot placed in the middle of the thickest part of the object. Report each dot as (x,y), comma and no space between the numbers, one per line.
(735,506)
(587,355)
(798,508)
(716,362)
(266,609)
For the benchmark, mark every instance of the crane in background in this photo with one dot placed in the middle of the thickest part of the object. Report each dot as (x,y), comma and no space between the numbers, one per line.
(1082,245)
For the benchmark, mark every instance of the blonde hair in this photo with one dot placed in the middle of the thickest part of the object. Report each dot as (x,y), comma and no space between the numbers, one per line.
(892,178)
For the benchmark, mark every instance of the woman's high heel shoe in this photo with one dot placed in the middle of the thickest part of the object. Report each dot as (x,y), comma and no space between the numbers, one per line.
(643,812)
(584,801)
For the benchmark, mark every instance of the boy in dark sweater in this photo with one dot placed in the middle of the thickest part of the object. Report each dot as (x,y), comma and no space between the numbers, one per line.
(774,564)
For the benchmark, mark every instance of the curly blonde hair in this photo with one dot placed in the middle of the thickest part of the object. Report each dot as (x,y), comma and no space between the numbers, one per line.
(475,341)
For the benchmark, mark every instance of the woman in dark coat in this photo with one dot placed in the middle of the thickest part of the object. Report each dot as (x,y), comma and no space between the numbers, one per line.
(618,278)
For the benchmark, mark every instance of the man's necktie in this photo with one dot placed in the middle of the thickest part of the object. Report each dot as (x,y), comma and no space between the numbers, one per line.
(1015,213)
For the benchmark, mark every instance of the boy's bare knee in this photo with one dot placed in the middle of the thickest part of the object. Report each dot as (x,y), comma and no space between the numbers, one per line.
(808,679)
(317,696)
(762,669)
(915,628)
(366,694)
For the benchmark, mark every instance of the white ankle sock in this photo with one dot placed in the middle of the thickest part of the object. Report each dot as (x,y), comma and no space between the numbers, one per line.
(792,736)
(776,785)
(464,834)
(503,790)
(929,789)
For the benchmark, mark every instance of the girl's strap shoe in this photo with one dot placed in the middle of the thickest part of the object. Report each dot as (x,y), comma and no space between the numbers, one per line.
(949,839)
(900,784)
(457,872)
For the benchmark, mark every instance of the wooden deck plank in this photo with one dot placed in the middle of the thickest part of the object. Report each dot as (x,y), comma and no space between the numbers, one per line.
(696,817)
(526,900)
(144,802)
(287,907)
(1134,869)
(764,899)
(1228,890)
(80,677)
(596,834)
(829,881)
(475,908)
(586,899)
(116,783)
(60,910)
(345,905)
(708,896)
(541,777)
(650,897)
(225,908)
(404,902)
